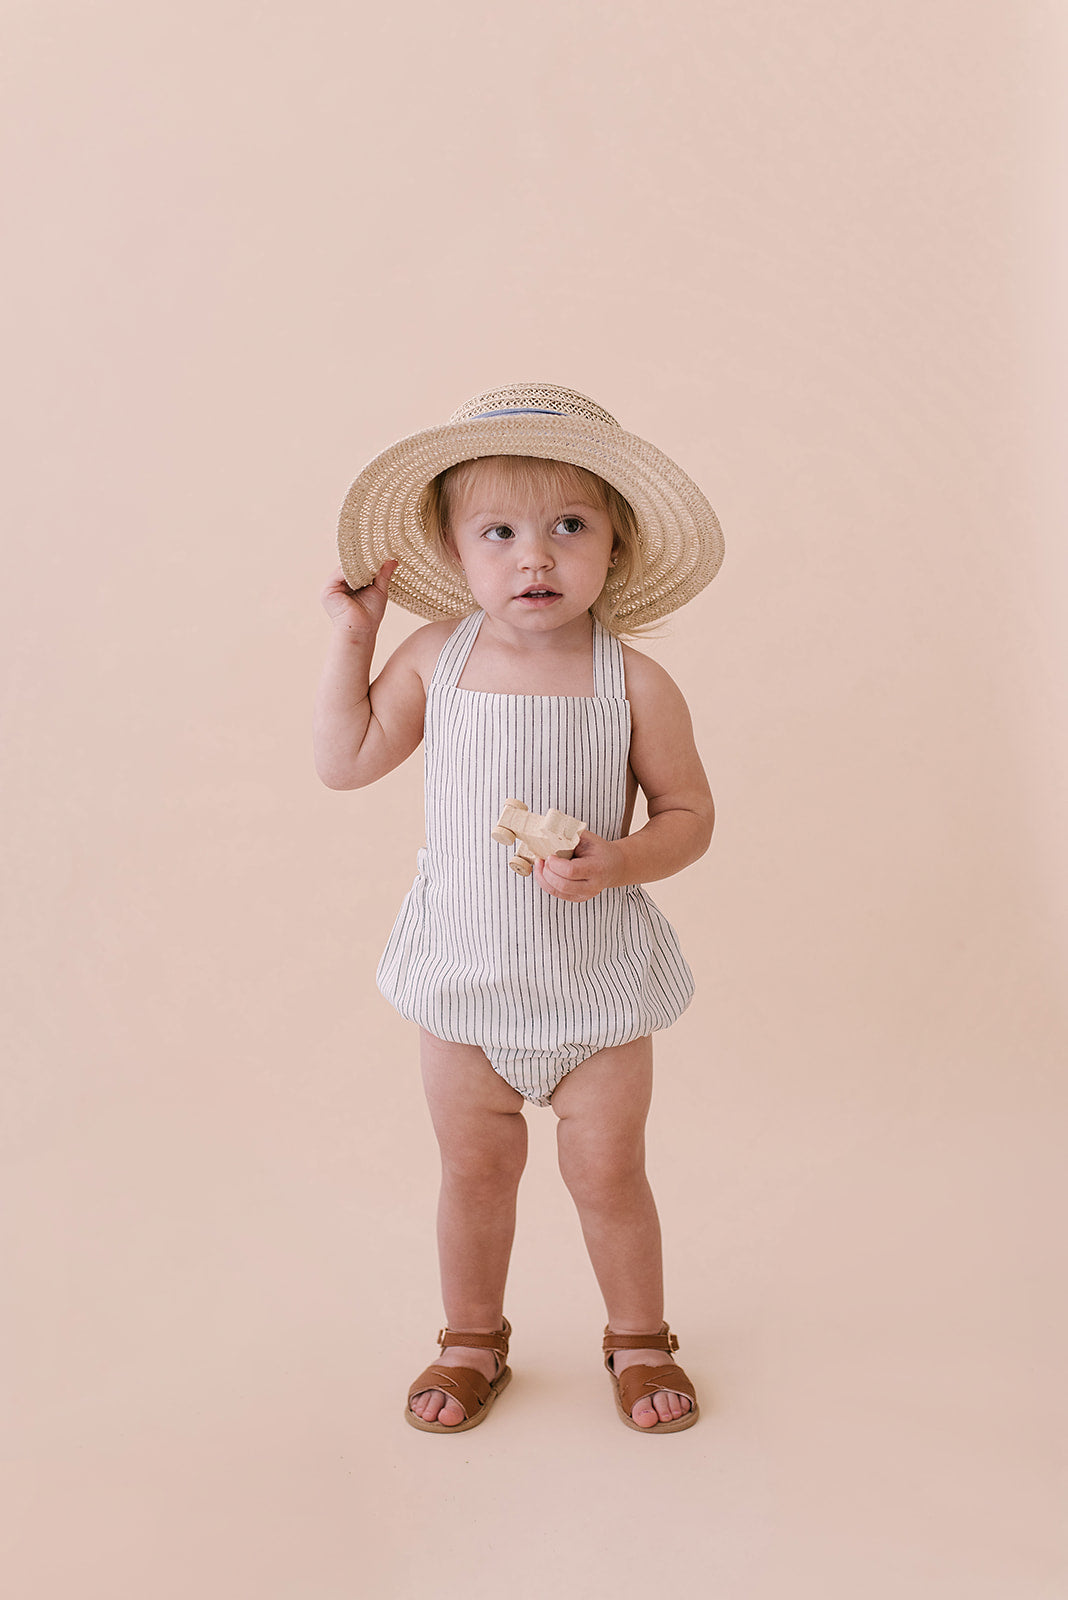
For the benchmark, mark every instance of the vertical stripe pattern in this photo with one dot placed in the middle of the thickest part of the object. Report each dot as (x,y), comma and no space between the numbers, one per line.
(480,955)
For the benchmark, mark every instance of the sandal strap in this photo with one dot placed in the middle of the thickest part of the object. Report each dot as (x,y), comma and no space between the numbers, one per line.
(497,1342)
(464,1384)
(664,1340)
(640,1383)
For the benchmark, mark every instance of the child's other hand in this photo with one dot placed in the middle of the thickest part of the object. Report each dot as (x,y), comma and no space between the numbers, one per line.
(596,865)
(358,611)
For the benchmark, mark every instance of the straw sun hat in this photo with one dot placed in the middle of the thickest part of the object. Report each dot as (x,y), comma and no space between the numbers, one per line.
(682,545)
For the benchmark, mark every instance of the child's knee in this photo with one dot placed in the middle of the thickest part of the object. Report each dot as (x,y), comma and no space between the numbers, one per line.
(491,1162)
(600,1175)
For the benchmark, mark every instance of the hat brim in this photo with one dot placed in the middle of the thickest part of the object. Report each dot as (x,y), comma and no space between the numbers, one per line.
(682,544)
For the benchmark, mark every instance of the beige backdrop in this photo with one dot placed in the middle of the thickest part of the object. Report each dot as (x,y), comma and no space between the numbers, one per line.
(810,250)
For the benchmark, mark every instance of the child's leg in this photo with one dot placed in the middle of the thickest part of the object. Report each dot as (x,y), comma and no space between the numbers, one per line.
(602,1106)
(482,1136)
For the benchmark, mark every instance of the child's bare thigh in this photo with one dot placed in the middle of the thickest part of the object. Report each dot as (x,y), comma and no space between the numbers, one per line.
(470,1105)
(611,1089)
(601,1108)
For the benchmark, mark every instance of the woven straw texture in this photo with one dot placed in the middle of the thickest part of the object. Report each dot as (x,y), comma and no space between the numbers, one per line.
(682,545)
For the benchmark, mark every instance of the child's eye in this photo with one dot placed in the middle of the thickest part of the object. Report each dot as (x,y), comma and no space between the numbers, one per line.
(571,524)
(499,534)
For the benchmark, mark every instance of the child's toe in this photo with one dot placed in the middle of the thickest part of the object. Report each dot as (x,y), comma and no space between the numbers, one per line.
(664,1406)
(434,1406)
(427,1404)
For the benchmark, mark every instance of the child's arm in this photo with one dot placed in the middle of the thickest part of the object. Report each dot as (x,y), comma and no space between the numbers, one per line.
(363,730)
(664,759)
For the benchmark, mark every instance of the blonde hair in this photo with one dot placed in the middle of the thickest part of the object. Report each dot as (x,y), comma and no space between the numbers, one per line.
(524,477)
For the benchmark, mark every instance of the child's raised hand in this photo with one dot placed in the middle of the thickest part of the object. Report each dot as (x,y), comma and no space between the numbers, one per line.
(358,611)
(595,865)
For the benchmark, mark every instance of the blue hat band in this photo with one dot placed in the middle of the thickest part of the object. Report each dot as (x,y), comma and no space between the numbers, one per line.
(519,411)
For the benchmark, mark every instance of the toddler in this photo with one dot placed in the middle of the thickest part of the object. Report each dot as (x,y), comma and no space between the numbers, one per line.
(548,531)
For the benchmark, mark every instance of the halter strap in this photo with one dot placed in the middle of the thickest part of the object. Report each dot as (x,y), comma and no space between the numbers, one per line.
(455,651)
(609,681)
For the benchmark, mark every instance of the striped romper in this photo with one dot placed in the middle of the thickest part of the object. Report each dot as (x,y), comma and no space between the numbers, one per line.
(479,955)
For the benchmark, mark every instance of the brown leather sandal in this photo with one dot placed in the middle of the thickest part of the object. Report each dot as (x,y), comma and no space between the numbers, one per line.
(637,1382)
(466,1385)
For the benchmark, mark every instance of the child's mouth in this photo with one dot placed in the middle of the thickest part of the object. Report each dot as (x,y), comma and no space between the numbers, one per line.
(538,594)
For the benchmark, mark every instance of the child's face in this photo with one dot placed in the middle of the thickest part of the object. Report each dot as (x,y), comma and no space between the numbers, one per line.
(536,563)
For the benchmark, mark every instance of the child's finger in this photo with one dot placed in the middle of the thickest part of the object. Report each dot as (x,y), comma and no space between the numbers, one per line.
(556,877)
(563,875)
(545,876)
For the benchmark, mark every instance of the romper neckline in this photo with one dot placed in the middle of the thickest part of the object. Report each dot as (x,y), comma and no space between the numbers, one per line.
(609,682)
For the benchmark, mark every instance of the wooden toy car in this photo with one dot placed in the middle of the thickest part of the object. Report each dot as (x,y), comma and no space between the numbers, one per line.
(534,837)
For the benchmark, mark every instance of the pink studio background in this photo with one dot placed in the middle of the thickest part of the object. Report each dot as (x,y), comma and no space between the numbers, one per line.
(811,252)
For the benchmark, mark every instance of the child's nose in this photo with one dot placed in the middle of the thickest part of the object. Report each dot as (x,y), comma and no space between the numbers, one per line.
(536,553)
